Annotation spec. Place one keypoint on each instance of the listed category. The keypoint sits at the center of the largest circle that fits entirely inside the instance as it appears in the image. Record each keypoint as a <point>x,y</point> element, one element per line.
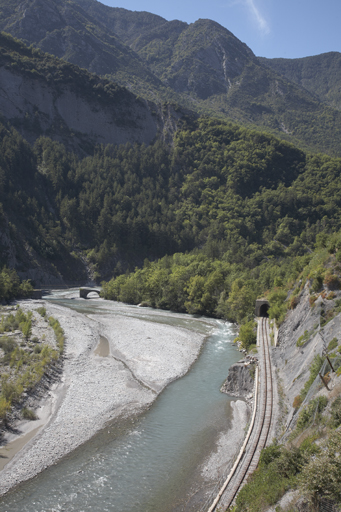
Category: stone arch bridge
<point>84,292</point>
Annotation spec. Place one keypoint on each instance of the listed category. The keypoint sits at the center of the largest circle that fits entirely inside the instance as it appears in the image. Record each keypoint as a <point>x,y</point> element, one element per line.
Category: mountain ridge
<point>319,74</point>
<point>201,66</point>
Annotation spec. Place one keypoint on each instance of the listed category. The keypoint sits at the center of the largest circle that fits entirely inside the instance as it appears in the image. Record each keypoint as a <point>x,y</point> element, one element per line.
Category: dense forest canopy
<point>241,204</point>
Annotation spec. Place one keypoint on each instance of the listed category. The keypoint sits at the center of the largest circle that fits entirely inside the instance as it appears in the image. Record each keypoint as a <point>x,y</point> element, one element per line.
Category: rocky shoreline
<point>240,380</point>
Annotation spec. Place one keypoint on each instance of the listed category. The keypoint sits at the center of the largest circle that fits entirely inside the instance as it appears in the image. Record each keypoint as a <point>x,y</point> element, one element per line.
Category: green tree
<point>248,334</point>
<point>241,300</point>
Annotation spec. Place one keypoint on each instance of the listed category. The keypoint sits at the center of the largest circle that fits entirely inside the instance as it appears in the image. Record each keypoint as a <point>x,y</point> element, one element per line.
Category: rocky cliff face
<point>37,108</point>
<point>300,339</point>
<point>200,58</point>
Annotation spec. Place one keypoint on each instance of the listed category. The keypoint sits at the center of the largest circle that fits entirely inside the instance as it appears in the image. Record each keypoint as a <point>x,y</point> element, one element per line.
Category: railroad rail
<point>259,429</point>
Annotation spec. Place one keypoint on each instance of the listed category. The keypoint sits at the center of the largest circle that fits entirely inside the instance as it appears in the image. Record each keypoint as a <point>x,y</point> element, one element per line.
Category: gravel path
<point>144,358</point>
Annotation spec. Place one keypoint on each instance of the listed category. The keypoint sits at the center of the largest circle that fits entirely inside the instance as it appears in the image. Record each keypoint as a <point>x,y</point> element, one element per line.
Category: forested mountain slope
<point>235,194</point>
<point>320,74</point>
<point>202,66</point>
<point>65,30</point>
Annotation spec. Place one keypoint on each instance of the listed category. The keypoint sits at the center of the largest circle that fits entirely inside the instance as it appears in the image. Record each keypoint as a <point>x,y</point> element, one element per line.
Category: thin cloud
<point>257,16</point>
<point>255,13</point>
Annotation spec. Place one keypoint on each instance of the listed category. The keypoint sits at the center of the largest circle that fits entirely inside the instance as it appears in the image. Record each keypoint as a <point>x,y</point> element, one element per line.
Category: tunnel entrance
<point>262,307</point>
<point>263,311</point>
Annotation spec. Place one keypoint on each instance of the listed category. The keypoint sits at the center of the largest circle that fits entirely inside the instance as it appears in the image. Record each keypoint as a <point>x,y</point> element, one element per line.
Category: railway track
<point>259,429</point>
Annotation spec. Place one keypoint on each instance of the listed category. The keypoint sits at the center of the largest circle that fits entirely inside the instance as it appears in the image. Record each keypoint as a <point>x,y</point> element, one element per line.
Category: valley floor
<point>96,387</point>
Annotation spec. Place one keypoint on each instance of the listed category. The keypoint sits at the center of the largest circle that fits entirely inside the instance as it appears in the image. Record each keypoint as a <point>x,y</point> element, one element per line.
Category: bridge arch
<point>84,292</point>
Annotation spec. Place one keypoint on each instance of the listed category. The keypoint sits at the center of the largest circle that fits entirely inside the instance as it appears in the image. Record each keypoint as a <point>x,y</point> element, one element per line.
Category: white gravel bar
<point>143,358</point>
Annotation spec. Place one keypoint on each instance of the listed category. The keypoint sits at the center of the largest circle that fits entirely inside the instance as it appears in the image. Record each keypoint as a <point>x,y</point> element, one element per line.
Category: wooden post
<point>324,382</point>
<point>330,364</point>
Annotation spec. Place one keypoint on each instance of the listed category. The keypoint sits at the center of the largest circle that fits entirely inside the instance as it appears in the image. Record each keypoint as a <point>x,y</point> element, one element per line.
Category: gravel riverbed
<point>144,357</point>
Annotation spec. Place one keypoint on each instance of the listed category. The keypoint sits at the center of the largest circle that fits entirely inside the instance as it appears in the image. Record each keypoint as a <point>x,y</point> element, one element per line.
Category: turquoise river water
<point>149,463</point>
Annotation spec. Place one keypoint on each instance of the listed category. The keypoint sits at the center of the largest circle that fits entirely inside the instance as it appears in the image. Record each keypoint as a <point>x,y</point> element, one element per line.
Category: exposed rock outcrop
<point>37,108</point>
<point>300,339</point>
<point>41,95</point>
<point>239,382</point>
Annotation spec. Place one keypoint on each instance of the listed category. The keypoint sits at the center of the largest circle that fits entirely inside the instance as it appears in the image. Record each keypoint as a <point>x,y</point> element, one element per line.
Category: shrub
<point>321,476</point>
<point>305,337</point>
<point>20,316</point>
<point>28,414</point>
<point>277,468</point>
<point>311,412</point>
<point>327,377</point>
<point>308,446</point>
<point>247,334</point>
<point>312,299</point>
<point>317,283</point>
<point>5,407</point>
<point>270,453</point>
<point>277,308</point>
<point>9,323</point>
<point>314,370</point>
<point>59,333</point>
<point>26,328</point>
<point>8,344</point>
<point>293,302</point>
<point>41,311</point>
<point>263,489</point>
<point>9,390</point>
<point>297,402</point>
<point>332,281</point>
<point>332,344</point>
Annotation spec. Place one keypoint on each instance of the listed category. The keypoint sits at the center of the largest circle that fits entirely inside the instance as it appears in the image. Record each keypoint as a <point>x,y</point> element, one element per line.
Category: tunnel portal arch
<point>262,307</point>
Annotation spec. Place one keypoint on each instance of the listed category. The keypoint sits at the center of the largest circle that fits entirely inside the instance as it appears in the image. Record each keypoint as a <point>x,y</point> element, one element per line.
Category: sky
<point>271,28</point>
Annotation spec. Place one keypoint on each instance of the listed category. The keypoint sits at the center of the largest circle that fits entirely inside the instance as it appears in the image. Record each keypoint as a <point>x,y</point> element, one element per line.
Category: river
<point>148,463</point>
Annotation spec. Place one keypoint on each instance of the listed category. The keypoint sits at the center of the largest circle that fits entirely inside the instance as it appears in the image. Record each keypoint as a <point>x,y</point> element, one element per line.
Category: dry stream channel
<point>151,462</point>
